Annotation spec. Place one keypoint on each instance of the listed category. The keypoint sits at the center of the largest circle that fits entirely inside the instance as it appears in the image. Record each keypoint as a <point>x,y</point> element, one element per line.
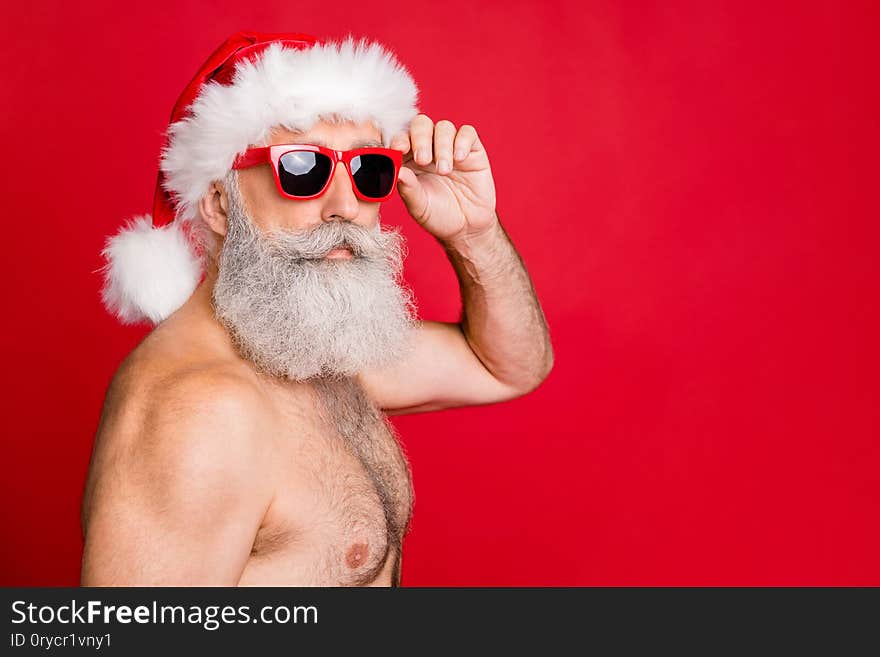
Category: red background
<point>699,217</point>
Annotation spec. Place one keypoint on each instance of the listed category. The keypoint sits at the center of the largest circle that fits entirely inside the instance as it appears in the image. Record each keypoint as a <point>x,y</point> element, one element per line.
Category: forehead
<point>338,135</point>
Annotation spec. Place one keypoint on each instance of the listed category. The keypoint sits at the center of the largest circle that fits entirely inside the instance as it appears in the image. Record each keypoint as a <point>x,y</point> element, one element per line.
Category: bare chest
<point>343,496</point>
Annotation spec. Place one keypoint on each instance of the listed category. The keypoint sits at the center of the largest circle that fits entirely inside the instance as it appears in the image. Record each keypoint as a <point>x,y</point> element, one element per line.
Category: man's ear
<point>213,206</point>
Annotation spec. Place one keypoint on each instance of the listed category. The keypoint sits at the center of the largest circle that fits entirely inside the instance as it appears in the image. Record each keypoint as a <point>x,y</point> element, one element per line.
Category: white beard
<point>297,315</point>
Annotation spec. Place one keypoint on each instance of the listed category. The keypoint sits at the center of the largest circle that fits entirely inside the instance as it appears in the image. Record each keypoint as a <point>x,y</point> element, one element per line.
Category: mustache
<point>316,242</point>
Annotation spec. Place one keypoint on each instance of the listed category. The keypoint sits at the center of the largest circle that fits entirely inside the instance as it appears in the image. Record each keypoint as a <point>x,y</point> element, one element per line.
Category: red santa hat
<point>250,84</point>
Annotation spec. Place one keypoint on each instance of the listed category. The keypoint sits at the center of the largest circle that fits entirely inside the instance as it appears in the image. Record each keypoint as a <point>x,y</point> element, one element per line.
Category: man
<point>245,441</point>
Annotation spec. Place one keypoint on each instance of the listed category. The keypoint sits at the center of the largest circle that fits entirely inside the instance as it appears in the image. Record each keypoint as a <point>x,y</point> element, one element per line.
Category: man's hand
<point>445,182</point>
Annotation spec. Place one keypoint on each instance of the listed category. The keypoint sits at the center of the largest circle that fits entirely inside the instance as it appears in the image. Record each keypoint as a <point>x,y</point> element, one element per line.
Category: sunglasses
<point>304,171</point>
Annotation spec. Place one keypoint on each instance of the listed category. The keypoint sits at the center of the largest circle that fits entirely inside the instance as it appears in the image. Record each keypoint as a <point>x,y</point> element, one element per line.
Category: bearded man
<point>245,441</point>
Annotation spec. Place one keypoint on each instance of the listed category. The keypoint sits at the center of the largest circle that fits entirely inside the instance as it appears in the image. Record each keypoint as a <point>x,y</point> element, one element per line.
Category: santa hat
<point>250,84</point>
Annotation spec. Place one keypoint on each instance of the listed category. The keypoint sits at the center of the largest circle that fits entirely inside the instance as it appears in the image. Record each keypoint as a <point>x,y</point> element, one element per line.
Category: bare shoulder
<point>166,406</point>
<point>165,419</point>
<point>180,478</point>
<point>150,381</point>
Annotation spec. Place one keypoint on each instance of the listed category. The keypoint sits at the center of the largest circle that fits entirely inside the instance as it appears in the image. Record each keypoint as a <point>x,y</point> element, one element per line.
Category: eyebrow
<point>364,143</point>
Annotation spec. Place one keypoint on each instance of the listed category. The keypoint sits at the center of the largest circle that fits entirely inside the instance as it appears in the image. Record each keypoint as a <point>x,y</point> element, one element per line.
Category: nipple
<point>356,555</point>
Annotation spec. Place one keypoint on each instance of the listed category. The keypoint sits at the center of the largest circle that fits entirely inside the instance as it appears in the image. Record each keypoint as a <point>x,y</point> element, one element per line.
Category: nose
<point>340,202</point>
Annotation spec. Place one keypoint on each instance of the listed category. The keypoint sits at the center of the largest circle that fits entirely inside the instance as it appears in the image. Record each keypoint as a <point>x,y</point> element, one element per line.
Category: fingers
<point>444,134</point>
<point>414,197</point>
<point>465,141</point>
<point>400,142</point>
<point>421,132</point>
<point>439,144</point>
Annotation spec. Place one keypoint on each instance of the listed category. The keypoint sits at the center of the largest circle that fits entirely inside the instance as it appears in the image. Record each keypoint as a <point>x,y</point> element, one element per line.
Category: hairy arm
<point>180,501</point>
<point>500,350</point>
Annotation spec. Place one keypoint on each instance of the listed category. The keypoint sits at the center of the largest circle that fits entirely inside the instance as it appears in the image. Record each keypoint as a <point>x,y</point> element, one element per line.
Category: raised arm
<point>502,318</point>
<point>499,351</point>
<point>179,502</point>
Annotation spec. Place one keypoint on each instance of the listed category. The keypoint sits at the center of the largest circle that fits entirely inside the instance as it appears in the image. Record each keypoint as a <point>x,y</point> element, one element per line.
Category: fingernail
<point>422,156</point>
<point>443,166</point>
<point>459,155</point>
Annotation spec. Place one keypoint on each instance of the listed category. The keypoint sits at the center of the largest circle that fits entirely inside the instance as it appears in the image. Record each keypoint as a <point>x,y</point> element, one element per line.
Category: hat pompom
<point>150,272</point>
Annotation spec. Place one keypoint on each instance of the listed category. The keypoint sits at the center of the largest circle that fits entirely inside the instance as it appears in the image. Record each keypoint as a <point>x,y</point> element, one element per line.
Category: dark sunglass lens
<point>373,174</point>
<point>303,173</point>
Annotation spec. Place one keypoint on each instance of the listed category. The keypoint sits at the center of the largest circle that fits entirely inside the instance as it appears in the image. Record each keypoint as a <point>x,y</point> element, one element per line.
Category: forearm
<point>502,318</point>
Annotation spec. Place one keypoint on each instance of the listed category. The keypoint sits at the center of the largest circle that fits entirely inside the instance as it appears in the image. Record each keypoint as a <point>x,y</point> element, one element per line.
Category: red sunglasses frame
<point>272,154</point>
